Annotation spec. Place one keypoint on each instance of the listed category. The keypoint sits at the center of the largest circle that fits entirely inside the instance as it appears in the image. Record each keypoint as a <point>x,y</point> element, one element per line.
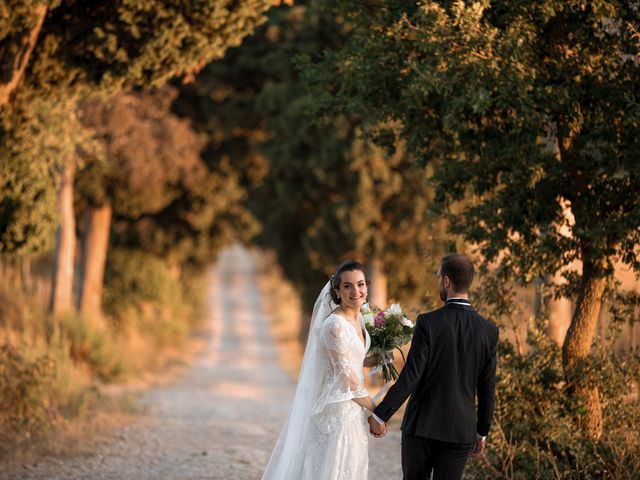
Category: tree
<point>110,46</point>
<point>33,209</point>
<point>28,217</point>
<point>481,91</point>
<point>164,198</point>
<point>225,104</point>
<point>20,26</point>
<point>82,50</point>
<point>326,195</point>
<point>95,243</point>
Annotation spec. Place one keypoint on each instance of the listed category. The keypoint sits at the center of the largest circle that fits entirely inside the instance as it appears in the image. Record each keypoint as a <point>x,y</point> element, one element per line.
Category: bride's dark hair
<point>348,266</point>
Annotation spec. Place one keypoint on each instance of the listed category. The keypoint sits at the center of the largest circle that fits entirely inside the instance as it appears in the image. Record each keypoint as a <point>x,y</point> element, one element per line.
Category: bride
<point>325,436</point>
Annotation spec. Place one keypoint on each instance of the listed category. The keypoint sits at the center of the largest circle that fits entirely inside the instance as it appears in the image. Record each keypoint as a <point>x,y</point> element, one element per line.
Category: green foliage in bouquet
<point>389,330</point>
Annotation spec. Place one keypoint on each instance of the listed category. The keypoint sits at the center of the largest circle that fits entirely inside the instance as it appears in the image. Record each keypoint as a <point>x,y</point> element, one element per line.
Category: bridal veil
<point>287,459</point>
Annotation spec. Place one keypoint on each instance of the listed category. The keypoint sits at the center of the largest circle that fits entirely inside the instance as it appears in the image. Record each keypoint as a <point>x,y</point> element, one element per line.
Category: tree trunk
<point>95,242</point>
<point>62,279</point>
<point>577,345</point>
<point>14,274</point>
<point>378,287</point>
<point>14,63</point>
<point>25,274</point>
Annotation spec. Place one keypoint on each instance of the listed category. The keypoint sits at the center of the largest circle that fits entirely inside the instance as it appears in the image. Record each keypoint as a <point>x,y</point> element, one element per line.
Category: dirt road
<point>221,418</point>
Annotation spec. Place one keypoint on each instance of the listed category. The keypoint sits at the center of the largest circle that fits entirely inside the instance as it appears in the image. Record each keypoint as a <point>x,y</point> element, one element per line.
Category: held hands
<point>479,448</point>
<point>376,429</point>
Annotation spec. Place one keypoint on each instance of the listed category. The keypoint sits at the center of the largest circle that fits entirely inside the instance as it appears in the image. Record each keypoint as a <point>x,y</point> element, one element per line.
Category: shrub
<point>25,391</point>
<point>535,435</point>
<point>49,367</point>
<point>141,293</point>
<point>133,278</point>
<point>93,346</point>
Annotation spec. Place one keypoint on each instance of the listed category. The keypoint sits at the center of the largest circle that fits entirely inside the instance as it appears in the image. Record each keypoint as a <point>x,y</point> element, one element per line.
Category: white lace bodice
<point>342,353</point>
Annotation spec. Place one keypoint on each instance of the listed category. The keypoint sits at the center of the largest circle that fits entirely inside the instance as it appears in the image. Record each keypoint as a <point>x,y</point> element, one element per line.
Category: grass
<point>63,381</point>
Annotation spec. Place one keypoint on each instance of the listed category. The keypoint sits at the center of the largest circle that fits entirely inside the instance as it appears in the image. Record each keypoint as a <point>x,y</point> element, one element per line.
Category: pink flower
<point>379,320</point>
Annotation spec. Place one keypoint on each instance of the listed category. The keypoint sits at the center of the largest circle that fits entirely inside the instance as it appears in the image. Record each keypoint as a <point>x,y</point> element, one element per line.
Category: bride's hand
<point>376,360</point>
<point>371,361</point>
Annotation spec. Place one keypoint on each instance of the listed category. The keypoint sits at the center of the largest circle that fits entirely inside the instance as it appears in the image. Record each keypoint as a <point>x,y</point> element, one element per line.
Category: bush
<point>133,278</point>
<point>49,367</point>
<point>41,385</point>
<point>25,391</point>
<point>142,294</point>
<point>92,346</point>
<point>535,433</point>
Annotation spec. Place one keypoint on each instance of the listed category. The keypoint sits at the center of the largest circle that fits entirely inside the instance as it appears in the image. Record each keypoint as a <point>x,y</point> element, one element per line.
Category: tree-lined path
<point>220,419</point>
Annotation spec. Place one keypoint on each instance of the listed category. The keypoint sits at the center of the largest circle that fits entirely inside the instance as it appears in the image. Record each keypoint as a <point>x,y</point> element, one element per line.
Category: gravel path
<point>221,418</point>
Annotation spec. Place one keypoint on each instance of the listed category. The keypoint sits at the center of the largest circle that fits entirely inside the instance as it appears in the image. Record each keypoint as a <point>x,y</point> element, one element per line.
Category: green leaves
<point>35,141</point>
<point>139,44</point>
<point>97,49</point>
<point>483,92</point>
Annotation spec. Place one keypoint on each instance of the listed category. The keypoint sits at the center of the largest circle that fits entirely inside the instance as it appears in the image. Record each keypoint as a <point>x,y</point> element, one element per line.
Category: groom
<point>452,359</point>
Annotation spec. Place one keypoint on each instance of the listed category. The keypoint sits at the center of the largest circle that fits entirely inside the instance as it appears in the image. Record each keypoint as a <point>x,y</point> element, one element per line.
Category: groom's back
<point>460,344</point>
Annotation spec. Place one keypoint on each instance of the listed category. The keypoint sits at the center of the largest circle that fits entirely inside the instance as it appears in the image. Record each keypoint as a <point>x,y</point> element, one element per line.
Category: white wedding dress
<point>338,439</point>
<point>326,434</point>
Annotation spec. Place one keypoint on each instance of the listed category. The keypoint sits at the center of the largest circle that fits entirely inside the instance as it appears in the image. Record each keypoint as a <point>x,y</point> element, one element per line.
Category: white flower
<point>406,322</point>
<point>395,309</point>
<point>367,315</point>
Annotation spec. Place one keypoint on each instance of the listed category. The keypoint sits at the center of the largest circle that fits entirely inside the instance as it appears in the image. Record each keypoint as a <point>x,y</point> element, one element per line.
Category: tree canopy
<point>529,113</point>
<point>165,199</point>
<point>80,50</point>
<point>327,194</point>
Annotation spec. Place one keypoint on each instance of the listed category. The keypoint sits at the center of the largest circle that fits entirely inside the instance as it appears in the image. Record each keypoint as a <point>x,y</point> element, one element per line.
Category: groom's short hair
<point>459,269</point>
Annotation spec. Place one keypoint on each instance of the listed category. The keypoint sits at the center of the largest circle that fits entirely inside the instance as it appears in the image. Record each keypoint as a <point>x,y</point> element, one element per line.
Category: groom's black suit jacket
<point>452,357</point>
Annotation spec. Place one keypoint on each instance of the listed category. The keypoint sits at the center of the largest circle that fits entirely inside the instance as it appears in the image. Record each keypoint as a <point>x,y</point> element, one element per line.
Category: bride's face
<point>353,289</point>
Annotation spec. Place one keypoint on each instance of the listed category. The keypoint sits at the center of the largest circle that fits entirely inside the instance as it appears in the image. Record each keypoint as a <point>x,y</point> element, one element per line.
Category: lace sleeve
<point>347,383</point>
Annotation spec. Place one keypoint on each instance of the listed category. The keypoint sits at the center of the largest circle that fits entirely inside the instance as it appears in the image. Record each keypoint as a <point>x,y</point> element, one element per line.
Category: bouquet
<point>389,329</point>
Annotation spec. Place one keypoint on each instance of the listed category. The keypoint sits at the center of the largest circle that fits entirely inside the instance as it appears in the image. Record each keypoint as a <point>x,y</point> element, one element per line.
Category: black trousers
<point>421,456</point>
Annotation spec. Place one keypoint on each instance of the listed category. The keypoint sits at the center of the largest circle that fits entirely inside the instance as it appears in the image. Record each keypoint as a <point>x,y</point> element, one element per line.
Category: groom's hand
<point>376,429</point>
